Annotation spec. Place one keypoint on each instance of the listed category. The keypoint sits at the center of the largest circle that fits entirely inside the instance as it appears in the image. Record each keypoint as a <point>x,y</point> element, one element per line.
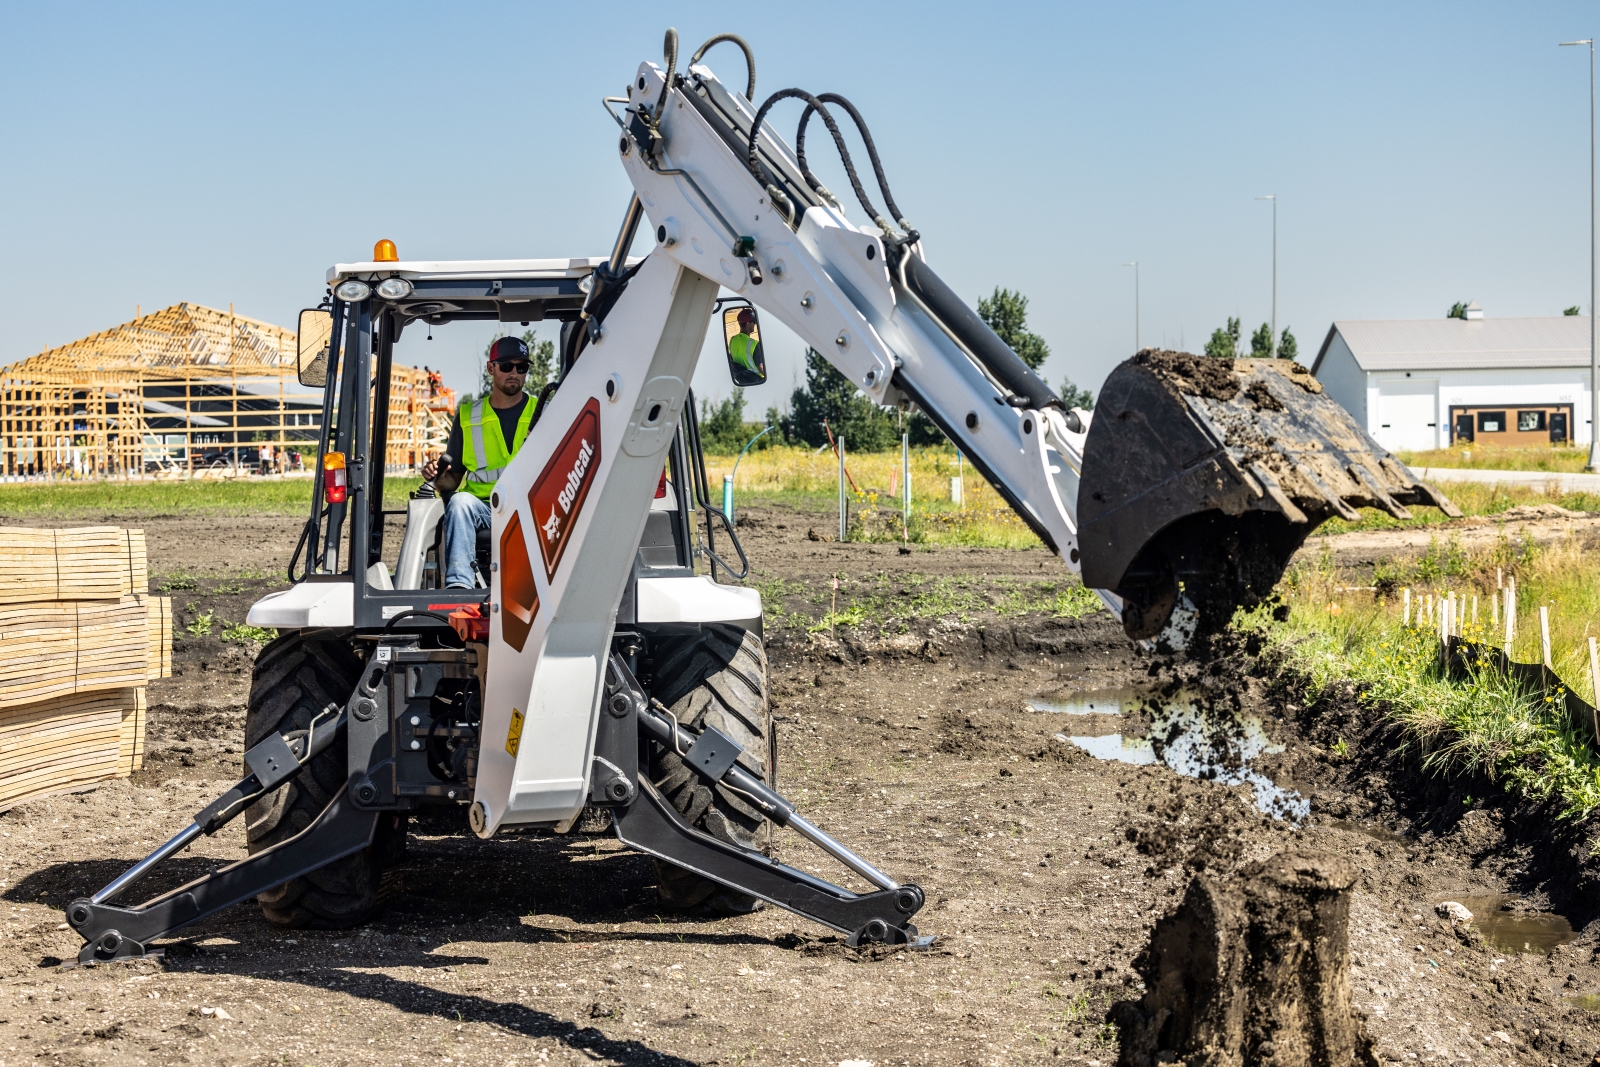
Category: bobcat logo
<point>552,527</point>
<point>563,486</point>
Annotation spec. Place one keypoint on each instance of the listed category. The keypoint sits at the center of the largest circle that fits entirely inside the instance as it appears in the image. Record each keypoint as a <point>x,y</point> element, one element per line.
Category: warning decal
<point>562,487</point>
<point>514,735</point>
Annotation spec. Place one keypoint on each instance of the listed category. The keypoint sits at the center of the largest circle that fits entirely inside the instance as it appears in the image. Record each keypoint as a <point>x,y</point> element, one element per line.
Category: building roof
<point>1458,344</point>
<point>184,340</point>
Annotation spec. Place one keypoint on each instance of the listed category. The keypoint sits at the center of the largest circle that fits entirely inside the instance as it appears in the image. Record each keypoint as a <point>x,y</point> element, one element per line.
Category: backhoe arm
<point>861,295</point>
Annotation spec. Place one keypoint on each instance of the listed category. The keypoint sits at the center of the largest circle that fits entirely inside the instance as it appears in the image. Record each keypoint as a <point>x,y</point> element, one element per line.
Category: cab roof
<point>505,290</point>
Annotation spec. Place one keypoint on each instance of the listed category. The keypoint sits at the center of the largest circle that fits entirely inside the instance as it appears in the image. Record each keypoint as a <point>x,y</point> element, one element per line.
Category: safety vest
<point>483,446</point>
<point>743,347</point>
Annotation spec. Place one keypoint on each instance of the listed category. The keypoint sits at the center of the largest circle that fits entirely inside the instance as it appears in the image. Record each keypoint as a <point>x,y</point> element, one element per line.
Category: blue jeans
<point>464,516</point>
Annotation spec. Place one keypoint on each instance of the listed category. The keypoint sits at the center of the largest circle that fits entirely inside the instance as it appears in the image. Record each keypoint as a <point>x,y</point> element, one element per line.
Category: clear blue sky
<point>1423,153</point>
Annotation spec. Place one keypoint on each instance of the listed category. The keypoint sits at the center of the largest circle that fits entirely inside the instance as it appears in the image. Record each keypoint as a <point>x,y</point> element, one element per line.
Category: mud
<point>1251,968</point>
<point>1046,870</point>
<point>1206,376</point>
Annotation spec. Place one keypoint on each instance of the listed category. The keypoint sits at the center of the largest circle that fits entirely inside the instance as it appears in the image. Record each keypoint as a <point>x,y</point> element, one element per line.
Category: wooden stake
<point>1594,686</point>
<point>1544,634</point>
<point>1494,609</point>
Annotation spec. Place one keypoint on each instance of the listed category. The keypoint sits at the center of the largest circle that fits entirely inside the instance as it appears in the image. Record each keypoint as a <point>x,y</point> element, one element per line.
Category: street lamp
<point>1594,282</point>
<point>1272,347</point>
<point>1135,266</point>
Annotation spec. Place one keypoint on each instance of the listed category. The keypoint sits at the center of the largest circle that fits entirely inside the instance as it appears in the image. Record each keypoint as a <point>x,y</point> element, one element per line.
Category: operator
<point>478,449</point>
<point>742,347</point>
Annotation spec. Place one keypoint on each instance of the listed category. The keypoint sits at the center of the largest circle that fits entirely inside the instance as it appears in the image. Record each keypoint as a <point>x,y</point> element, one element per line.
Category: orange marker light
<point>335,481</point>
<point>385,252</point>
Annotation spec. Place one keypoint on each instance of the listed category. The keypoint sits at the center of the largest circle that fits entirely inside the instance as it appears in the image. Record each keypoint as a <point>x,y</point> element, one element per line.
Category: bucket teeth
<point>1193,461</point>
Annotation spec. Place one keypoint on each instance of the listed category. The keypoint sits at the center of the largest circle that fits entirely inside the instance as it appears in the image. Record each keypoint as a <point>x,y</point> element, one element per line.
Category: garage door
<point>1408,414</point>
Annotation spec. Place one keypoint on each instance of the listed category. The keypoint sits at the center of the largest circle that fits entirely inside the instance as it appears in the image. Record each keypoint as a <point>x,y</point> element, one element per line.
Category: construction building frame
<point>189,391</point>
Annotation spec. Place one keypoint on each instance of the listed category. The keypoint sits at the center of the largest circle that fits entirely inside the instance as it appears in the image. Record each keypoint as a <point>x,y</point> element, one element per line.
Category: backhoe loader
<point>608,673</point>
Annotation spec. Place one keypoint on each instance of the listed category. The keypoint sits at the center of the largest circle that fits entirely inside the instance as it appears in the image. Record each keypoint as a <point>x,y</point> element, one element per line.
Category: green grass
<point>36,501</point>
<point>1474,457</point>
<point>892,603</point>
<point>1485,724</point>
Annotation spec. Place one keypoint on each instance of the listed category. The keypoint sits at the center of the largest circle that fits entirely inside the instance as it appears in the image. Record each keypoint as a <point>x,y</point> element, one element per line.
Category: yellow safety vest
<point>483,447</point>
<point>743,347</point>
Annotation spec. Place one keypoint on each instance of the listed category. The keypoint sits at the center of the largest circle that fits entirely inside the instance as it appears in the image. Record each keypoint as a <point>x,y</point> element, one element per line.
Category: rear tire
<point>295,678</point>
<point>717,678</point>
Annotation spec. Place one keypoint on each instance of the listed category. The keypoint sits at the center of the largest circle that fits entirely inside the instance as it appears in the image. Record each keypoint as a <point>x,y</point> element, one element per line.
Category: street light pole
<point>1135,266</point>
<point>1272,348</point>
<point>1594,279</point>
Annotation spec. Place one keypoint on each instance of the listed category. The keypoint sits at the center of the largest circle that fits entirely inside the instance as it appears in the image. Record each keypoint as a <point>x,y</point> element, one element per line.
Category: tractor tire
<point>717,677</point>
<point>295,677</point>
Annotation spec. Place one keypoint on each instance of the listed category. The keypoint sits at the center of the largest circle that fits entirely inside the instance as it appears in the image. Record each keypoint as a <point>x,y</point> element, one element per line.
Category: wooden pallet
<point>61,648</point>
<point>53,746</point>
<point>91,563</point>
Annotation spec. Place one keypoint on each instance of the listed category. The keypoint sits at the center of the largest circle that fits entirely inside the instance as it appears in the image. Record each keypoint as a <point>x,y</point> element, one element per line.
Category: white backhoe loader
<point>608,674</point>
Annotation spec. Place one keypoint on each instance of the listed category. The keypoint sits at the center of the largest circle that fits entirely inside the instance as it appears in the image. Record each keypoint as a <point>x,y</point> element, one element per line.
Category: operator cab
<point>371,434</point>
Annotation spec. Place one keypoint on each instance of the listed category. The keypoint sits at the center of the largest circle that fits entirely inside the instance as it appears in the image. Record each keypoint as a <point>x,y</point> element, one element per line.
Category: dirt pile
<point>1206,376</point>
<point>1252,969</point>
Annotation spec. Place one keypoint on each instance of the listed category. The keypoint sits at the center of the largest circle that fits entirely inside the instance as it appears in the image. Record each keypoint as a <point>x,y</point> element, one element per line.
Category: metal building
<point>1429,383</point>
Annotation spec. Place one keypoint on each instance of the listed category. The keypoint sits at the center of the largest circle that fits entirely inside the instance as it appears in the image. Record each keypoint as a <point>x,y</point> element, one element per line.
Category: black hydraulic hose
<point>749,58</point>
<point>872,153</point>
<point>838,139</point>
<point>1026,386</point>
<point>670,47</point>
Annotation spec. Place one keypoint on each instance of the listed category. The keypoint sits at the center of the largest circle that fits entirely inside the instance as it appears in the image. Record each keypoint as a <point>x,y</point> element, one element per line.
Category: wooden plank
<point>55,745</point>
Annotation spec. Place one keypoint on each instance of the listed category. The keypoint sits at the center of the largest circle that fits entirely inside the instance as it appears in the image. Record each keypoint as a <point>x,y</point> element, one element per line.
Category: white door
<point>1408,413</point>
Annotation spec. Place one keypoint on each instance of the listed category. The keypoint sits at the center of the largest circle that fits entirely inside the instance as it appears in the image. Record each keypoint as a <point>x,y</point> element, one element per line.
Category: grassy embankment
<point>1475,457</point>
<point>1517,737</point>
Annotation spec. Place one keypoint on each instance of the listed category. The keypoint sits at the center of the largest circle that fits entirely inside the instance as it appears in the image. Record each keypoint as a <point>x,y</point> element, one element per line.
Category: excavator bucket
<point>1202,476</point>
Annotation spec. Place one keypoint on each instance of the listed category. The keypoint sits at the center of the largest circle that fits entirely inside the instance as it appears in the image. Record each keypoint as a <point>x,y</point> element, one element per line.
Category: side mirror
<point>316,336</point>
<point>741,333</point>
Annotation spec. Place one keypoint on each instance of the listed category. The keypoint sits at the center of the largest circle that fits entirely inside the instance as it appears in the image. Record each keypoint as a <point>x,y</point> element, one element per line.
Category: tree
<point>1006,313</point>
<point>722,425</point>
<point>541,357</point>
<point>1288,348</point>
<point>1573,310</point>
<point>1074,397</point>
<point>1261,342</point>
<point>1458,310</point>
<point>829,395</point>
<point>1224,341</point>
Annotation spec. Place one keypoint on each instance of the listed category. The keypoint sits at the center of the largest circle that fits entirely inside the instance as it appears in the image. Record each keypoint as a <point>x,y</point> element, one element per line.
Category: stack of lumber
<point>80,635</point>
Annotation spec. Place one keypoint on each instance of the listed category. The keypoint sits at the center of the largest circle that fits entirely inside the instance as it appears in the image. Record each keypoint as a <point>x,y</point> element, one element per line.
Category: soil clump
<point>1251,968</point>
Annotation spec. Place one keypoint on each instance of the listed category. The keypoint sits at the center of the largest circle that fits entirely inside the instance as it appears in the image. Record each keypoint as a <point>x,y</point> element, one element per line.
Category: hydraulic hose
<point>749,59</point>
<point>975,334</point>
<point>872,153</point>
<point>838,140</point>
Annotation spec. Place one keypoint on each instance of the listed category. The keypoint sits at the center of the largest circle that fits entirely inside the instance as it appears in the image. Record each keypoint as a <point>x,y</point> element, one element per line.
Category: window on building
<point>1491,421</point>
<point>1529,421</point>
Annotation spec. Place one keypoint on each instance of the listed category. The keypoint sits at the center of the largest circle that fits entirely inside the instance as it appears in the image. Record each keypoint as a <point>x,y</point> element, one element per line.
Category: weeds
<point>1487,723</point>
<point>893,602</point>
<point>176,582</point>
<point>244,632</point>
<point>202,624</point>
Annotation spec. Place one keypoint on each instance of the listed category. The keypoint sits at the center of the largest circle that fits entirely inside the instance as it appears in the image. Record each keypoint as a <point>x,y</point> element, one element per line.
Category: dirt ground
<point>1044,867</point>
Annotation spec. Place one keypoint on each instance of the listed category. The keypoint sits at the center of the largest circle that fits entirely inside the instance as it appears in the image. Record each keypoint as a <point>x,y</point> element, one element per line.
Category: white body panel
<point>697,599</point>
<point>651,345</point>
<point>306,605</point>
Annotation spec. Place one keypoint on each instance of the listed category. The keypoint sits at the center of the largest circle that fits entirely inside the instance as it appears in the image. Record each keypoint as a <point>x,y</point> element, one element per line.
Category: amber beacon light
<point>385,252</point>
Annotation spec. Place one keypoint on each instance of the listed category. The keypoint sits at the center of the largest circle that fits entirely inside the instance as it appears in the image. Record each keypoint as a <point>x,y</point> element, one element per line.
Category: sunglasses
<point>508,365</point>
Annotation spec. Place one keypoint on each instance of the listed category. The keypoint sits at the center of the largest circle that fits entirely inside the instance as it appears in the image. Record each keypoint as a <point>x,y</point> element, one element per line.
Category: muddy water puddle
<point>1216,745</point>
<point>1090,702</point>
<point>1509,926</point>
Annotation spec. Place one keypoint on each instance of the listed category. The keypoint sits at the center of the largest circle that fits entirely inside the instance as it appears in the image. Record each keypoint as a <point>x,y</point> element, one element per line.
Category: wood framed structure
<point>186,391</point>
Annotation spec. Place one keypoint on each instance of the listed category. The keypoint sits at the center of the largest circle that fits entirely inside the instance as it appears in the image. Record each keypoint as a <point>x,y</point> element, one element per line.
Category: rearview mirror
<point>741,333</point>
<point>316,335</point>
